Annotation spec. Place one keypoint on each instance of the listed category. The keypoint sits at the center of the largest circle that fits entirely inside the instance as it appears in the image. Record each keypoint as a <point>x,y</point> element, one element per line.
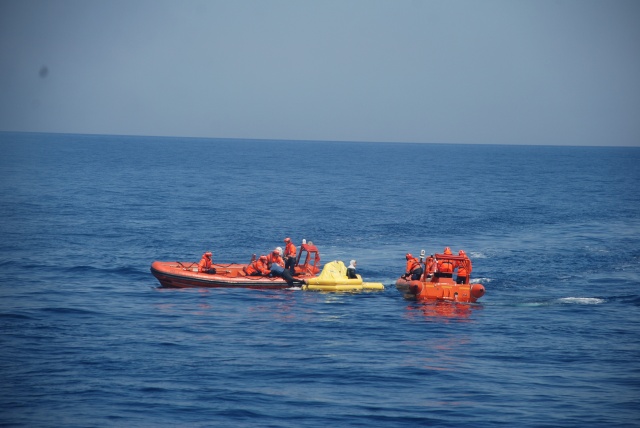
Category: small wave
<point>15,316</point>
<point>581,300</point>
<point>69,311</point>
<point>116,271</point>
<point>563,301</point>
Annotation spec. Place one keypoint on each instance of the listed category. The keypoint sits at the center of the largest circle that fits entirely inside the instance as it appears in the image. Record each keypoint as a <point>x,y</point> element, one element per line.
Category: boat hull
<point>186,275</point>
<point>440,289</point>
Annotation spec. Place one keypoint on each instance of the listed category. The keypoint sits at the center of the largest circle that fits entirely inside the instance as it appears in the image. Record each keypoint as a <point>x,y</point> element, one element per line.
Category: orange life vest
<point>275,258</point>
<point>464,267</point>
<point>290,250</point>
<point>431,264</point>
<point>445,266</point>
<point>205,264</point>
<point>412,264</point>
<point>257,266</point>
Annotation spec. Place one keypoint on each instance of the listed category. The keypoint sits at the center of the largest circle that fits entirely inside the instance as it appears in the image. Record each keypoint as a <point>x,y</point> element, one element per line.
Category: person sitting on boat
<point>259,267</point>
<point>275,257</point>
<point>464,269</point>
<point>445,266</point>
<point>351,270</point>
<point>205,265</point>
<point>289,256</point>
<point>414,268</point>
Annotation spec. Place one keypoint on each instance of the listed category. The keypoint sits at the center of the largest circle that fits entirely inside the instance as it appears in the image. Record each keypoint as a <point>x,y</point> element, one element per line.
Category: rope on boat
<point>188,267</point>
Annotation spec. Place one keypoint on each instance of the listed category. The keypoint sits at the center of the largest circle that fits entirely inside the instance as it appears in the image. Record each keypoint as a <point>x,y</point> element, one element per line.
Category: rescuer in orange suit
<point>445,266</point>
<point>205,263</point>
<point>431,265</point>
<point>464,269</point>
<point>289,256</point>
<point>414,268</point>
<point>259,267</point>
<point>275,257</point>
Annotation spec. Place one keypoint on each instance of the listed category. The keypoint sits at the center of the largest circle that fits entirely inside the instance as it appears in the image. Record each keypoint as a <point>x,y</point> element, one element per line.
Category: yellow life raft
<point>334,278</point>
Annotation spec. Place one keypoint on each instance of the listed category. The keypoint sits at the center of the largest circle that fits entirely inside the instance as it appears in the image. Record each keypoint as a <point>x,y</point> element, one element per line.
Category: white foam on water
<point>581,300</point>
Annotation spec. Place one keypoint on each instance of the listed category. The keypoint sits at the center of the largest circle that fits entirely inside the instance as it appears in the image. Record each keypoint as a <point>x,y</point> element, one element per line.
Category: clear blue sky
<point>446,71</point>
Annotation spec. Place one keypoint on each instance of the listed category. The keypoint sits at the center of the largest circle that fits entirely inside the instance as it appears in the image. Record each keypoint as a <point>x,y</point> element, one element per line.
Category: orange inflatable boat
<point>185,274</point>
<point>438,285</point>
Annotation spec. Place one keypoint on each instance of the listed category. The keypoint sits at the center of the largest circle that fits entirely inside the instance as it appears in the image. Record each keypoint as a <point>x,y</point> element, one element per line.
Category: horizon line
<point>241,139</point>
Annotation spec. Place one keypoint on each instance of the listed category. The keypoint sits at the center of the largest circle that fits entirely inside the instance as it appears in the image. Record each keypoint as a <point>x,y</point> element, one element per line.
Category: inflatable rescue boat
<point>232,275</point>
<point>334,278</point>
<point>439,286</point>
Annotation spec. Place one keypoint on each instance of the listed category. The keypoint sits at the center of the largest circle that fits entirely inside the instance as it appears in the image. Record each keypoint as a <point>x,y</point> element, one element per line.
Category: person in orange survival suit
<point>414,268</point>
<point>445,266</point>
<point>464,269</point>
<point>205,263</point>
<point>275,257</point>
<point>259,267</point>
<point>431,264</point>
<point>289,256</point>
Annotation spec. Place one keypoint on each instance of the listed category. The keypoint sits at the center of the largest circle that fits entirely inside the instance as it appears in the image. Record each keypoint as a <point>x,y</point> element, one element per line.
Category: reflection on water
<point>442,310</point>
<point>438,353</point>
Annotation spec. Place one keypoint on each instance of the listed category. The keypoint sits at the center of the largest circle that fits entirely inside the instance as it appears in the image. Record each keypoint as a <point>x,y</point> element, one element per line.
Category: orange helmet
<point>447,250</point>
<point>462,253</point>
<point>409,256</point>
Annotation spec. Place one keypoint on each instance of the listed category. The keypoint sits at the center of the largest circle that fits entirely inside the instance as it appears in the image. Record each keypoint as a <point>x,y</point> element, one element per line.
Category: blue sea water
<point>88,338</point>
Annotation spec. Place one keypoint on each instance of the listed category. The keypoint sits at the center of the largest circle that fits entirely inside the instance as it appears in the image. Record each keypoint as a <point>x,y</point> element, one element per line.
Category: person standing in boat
<point>464,269</point>
<point>259,267</point>
<point>351,270</point>
<point>290,256</point>
<point>205,264</point>
<point>445,266</point>
<point>414,268</point>
<point>430,264</point>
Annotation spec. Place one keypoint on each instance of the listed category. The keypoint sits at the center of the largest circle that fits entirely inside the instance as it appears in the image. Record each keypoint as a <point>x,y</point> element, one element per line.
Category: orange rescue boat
<point>437,285</point>
<point>232,275</point>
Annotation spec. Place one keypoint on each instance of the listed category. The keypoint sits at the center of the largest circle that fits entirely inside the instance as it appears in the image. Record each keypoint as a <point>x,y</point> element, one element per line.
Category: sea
<point>88,338</point>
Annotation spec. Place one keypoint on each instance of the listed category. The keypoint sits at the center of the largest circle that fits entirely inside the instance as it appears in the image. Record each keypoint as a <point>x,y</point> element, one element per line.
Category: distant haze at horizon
<point>448,72</point>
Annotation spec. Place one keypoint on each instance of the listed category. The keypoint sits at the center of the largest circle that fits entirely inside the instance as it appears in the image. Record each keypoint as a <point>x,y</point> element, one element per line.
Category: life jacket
<point>431,264</point>
<point>290,250</point>
<point>275,258</point>
<point>257,266</point>
<point>445,266</point>
<point>205,264</point>
<point>464,267</point>
<point>412,264</point>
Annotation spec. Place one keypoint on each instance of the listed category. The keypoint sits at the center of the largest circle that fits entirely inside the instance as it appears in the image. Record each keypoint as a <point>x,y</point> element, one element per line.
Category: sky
<point>553,72</point>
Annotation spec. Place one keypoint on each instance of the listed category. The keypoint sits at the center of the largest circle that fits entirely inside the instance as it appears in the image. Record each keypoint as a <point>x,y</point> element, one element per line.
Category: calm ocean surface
<point>87,338</point>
